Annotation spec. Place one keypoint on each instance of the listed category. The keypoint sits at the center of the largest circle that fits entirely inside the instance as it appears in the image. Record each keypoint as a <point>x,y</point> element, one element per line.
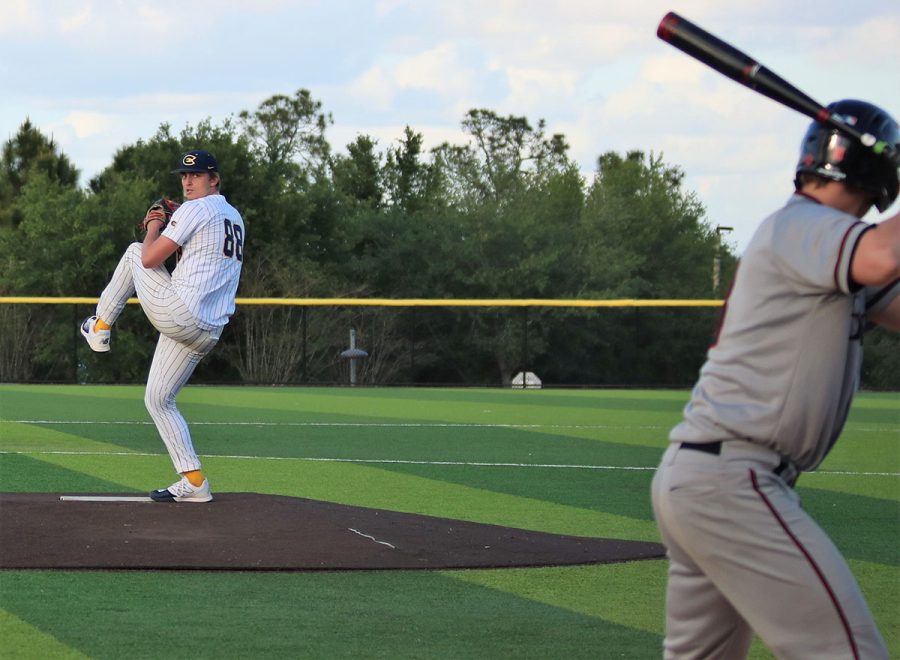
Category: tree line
<point>505,214</point>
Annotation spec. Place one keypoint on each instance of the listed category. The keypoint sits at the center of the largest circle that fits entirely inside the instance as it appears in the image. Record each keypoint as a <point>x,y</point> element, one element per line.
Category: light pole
<point>717,261</point>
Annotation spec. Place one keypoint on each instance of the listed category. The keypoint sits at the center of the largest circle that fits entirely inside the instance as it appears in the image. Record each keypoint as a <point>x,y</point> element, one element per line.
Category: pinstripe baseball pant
<point>182,344</point>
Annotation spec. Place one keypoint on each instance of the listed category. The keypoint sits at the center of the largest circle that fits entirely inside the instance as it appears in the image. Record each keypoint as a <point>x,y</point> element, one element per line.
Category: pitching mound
<point>249,531</point>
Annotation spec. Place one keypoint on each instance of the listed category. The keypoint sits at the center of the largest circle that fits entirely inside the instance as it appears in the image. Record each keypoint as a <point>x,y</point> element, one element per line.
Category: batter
<point>770,403</point>
<point>189,308</point>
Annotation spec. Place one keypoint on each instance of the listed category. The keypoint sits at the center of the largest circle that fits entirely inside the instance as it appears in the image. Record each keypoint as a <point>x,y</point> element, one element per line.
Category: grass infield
<point>565,461</point>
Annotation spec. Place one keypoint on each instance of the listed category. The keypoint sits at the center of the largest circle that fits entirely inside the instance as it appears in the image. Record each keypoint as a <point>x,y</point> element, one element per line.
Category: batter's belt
<point>785,468</point>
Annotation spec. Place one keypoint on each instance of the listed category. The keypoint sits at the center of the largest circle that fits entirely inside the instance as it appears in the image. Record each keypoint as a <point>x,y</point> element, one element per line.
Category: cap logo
<point>189,159</point>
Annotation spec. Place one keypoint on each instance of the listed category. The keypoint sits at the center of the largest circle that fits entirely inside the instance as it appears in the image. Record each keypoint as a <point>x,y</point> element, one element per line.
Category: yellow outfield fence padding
<point>398,302</point>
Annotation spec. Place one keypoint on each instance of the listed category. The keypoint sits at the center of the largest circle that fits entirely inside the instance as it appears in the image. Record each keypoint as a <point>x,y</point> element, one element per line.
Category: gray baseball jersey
<point>744,556</point>
<point>790,343</point>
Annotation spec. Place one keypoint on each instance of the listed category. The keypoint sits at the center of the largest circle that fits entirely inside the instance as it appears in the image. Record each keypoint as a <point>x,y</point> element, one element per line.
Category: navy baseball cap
<point>197,160</point>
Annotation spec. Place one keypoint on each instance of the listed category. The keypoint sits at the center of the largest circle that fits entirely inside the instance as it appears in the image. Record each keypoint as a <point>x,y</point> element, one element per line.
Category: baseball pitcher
<point>189,307</point>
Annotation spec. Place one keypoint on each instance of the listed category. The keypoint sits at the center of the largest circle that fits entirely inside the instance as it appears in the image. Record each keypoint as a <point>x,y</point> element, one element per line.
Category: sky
<point>97,75</point>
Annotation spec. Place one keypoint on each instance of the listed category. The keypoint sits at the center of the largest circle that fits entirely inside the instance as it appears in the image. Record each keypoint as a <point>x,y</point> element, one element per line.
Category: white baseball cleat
<point>183,491</point>
<point>98,340</point>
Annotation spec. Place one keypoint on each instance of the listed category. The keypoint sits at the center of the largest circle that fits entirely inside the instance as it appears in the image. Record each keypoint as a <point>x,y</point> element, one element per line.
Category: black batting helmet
<point>828,153</point>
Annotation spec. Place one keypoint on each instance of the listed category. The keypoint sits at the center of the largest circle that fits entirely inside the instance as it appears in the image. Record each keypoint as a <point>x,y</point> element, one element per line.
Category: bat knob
<point>667,26</point>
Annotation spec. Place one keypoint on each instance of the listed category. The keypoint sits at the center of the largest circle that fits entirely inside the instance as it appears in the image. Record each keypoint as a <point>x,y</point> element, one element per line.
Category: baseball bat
<point>740,67</point>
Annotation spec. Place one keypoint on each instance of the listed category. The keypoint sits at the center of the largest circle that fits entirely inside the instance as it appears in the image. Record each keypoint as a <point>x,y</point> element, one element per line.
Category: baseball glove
<point>161,209</point>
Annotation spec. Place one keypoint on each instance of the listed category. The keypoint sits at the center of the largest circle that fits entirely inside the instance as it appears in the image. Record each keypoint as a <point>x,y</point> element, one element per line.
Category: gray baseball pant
<point>744,557</point>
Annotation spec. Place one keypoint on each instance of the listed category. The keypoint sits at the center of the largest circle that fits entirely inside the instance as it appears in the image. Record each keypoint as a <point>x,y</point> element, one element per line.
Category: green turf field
<point>566,461</point>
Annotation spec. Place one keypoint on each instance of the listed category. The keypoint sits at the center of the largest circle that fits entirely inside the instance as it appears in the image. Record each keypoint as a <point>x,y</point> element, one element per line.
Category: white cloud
<point>874,43</point>
<point>671,69</point>
<point>96,25</point>
<point>373,87</point>
<point>76,21</point>
<point>218,103</point>
<point>161,105</point>
<point>438,69</point>
<point>18,18</point>
<point>385,7</point>
<point>531,87</point>
<point>86,124</point>
<point>156,20</point>
<point>389,136</point>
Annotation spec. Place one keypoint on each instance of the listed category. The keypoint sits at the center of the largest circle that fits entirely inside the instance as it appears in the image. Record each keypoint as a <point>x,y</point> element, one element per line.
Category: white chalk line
<point>370,537</point>
<point>102,498</point>
<point>345,424</point>
<point>413,425</point>
<point>400,461</point>
<point>323,459</point>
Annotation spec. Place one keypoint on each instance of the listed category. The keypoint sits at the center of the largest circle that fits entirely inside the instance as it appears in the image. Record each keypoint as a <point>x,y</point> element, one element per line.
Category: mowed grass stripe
<point>581,589</point>
<point>879,486</point>
<point>310,404</point>
<point>19,437</point>
<point>463,443</point>
<point>320,615</point>
<point>586,590</point>
<point>23,641</point>
<point>866,452</point>
<point>501,446</point>
<point>606,413</point>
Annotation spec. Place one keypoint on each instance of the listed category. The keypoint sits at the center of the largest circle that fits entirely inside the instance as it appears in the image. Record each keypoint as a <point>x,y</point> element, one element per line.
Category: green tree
<point>358,175</point>
<point>509,197</point>
<point>642,236</point>
<point>294,217</point>
<point>288,133</point>
<point>410,181</point>
<point>27,153</point>
<point>505,148</point>
<point>639,215</point>
<point>67,244</point>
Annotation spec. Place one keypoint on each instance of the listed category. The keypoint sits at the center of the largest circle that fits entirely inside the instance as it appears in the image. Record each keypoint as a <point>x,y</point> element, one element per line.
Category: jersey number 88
<point>234,241</point>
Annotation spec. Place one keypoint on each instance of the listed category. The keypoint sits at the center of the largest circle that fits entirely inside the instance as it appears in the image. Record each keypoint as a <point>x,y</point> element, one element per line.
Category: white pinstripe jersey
<point>211,234</point>
<point>786,362</point>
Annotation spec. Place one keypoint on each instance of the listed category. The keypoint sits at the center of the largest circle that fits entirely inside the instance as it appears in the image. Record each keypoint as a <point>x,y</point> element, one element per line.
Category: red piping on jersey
<point>818,571</point>
<point>850,283</point>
